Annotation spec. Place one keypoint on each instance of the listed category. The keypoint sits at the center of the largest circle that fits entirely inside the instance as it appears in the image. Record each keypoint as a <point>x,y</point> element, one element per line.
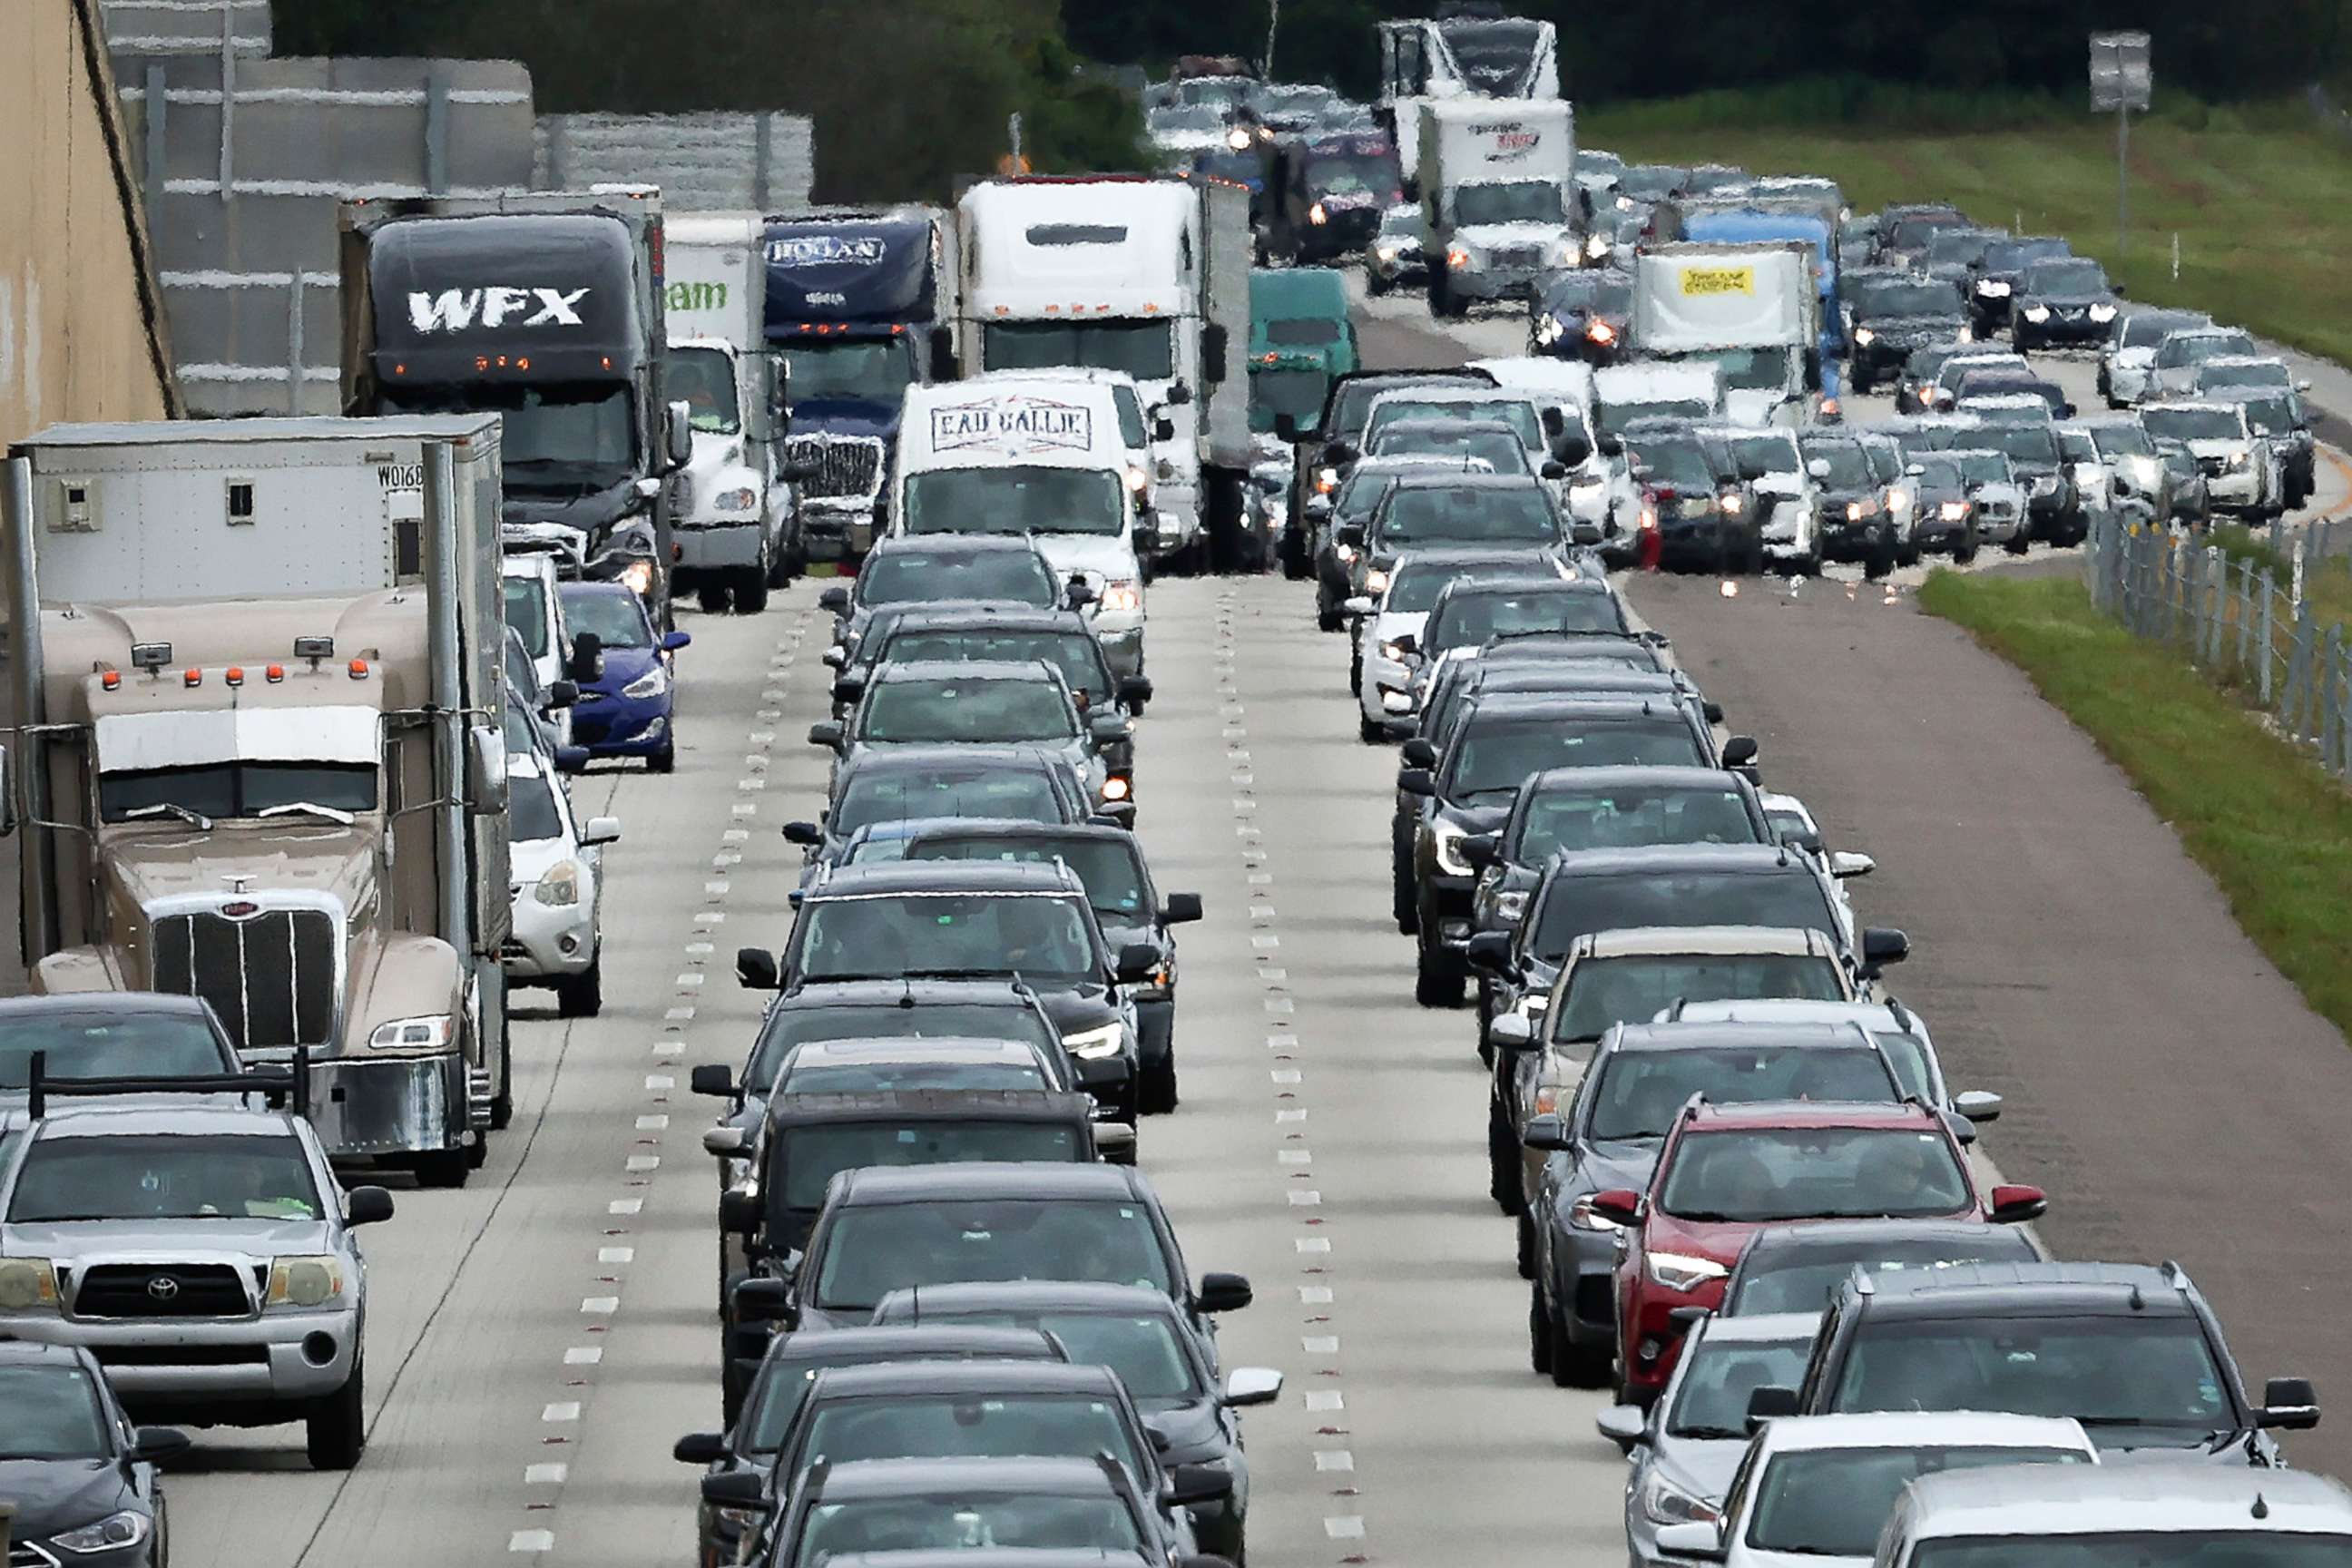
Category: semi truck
<point>1750,310</point>
<point>1326,194</point>
<point>859,308</point>
<point>1466,52</point>
<point>733,523</point>
<point>544,307</point>
<point>1498,199</point>
<point>259,672</point>
<point>1133,273</point>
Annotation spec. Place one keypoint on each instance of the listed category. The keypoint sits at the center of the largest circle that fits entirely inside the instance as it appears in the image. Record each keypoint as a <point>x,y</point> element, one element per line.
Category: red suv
<point>1726,1171</point>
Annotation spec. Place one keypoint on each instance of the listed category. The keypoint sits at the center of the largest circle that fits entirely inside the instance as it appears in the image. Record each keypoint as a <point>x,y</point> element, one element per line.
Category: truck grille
<point>271,977</point>
<point>846,467</point>
<point>181,1355</point>
<point>161,1290</point>
<point>1519,256</point>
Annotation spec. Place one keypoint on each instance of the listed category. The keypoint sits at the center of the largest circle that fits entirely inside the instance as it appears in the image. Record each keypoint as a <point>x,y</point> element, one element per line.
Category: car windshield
<point>2259,372</point>
<point>1746,369</point>
<point>2274,416</point>
<point>945,1521</point>
<point>1578,906</point>
<point>1473,616</point>
<point>532,814</point>
<point>1507,201</point>
<point>2192,423</point>
<point>1835,1501</point>
<point>2066,275</point>
<point>704,380</point>
<point>1276,390</point>
<point>527,613</point>
<point>993,1426</point>
<point>966,709</point>
<point>1984,468</point>
<point>1469,514</point>
<point>1849,464</point>
<point>1633,989</point>
<point>811,1156</point>
<point>1713,1390</point>
<point>1143,1351</point>
<point>234,789</point>
<point>1617,413</point>
<point>799,1023</point>
<point>1413,587</point>
<point>1750,1175</point>
<point>1352,174</point>
<point>1772,452</point>
<point>2166,1549</point>
<point>2122,441</point>
<point>1497,758</point>
<point>1145,349</point>
<point>1595,293</point>
<point>1519,416</point>
<point>101,1043</point>
<point>1627,816</point>
<point>872,1249</point>
<point>849,370</point>
<point>1939,473</point>
<point>2013,254</point>
<point>1877,299</point>
<point>1493,445</point>
<point>1806,1282</point>
<point>1074,653</point>
<point>53,1414</point>
<point>1678,464</point>
<point>902,794</point>
<point>882,937</point>
<point>2195,348</point>
<point>2105,1370</point>
<point>2149,328</point>
<point>1402,223</point>
<point>1111,868</point>
<point>1021,498</point>
<point>2035,443</point>
<point>1958,245</point>
<point>125,1176</point>
<point>618,618</point>
<point>921,577</point>
<point>555,439</point>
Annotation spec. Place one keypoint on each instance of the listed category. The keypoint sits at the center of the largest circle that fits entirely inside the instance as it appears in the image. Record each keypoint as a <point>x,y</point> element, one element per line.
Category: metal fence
<point>2237,622</point>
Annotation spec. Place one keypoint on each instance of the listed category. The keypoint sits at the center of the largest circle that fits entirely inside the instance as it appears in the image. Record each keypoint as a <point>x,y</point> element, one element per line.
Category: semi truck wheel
<point>502,1104</point>
<point>582,996</point>
<point>446,1168</point>
<point>751,592</point>
<point>712,597</point>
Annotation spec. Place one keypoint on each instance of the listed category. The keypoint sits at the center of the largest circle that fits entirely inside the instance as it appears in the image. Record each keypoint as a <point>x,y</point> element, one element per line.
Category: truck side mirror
<point>561,694</point>
<point>7,797</point>
<point>1285,427</point>
<point>943,358</point>
<point>680,435</point>
<point>755,969</point>
<point>486,765</point>
<point>587,664</point>
<point>1212,353</point>
<point>1163,428</point>
<point>1180,394</point>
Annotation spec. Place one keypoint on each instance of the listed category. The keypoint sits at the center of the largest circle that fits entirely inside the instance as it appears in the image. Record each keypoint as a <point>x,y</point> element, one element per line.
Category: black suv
<point>1019,632</point>
<point>933,568</point>
<point>1328,451</point>
<point>1890,313</point>
<point>908,781</point>
<point>2131,1351</point>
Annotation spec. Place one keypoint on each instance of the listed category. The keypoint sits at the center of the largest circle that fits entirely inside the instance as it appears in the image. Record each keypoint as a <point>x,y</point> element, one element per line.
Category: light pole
<point>1273,21</point>
<point>2122,79</point>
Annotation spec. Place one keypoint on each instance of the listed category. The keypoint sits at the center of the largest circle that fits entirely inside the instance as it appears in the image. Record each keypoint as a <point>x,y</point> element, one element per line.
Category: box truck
<point>1749,309</point>
<point>1498,199</point>
<point>1460,56</point>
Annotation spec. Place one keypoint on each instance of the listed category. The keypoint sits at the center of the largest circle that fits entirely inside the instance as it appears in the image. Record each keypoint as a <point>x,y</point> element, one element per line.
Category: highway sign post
<point>2122,79</point>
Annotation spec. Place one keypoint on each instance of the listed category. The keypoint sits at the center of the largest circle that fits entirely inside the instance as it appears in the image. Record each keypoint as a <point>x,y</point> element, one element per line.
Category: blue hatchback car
<point>626,711</point>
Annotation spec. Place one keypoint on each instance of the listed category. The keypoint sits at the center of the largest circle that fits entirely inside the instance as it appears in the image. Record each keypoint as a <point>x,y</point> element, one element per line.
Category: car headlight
<point>1344,553</point>
<point>1097,1044</point>
<point>2147,470</point>
<point>429,1033</point>
<point>2102,312</point>
<point>1953,510</point>
<point>1680,1271</point>
<point>115,1532</point>
<point>27,1284</point>
<point>638,576</point>
<point>1601,332</point>
<point>305,1281</point>
<point>1316,215</point>
<point>1238,139</point>
<point>1549,327</point>
<point>2241,458</point>
<point>1117,787</point>
<point>742,498</point>
<point>652,683</point>
<point>1992,288</point>
<point>1457,255</point>
<point>1864,336</point>
<point>559,886</point>
<point>1385,252</point>
<point>1327,480</point>
<point>1564,253</point>
<point>1445,840</point>
<point>1662,1502</point>
<point>2037,312</point>
<point>1731,503</point>
<point>1395,652</point>
<point>1898,499</point>
<point>1122,595</point>
<point>1598,246</point>
<point>1137,478</point>
<point>1511,908</point>
<point>1376,581</point>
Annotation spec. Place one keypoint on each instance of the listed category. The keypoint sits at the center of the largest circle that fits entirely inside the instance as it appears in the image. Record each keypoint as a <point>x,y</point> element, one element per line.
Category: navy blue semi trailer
<point>544,307</point>
<point>860,307</point>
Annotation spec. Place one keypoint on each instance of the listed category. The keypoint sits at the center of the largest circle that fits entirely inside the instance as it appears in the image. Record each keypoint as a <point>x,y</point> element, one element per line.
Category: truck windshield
<point>849,370</point>
<point>2168,1549</point>
<point>704,380</point>
<point>1746,369</point>
<point>234,789</point>
<point>1274,392</point>
<point>1507,201</point>
<point>1017,500</point>
<point>108,1045</point>
<point>1144,350</point>
<point>813,1155</point>
<point>160,1176</point>
<point>1496,57</point>
<point>1353,174</point>
<point>558,437</point>
<point>527,613</point>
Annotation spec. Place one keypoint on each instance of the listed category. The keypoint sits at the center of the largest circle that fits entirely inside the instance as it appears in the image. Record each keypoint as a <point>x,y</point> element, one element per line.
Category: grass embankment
<point>2260,195</point>
<point>2266,823</point>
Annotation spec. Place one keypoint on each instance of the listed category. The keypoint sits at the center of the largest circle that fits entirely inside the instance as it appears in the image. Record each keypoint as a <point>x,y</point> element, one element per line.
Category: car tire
<point>335,1428</point>
<point>2017,544</point>
<point>712,597</point>
<point>582,996</point>
<point>1525,1226</point>
<point>1541,1349</point>
<point>1375,284</point>
<point>751,592</point>
<point>1574,1365</point>
<point>502,1102</point>
<point>1328,620</point>
<point>1355,668</point>
<point>1966,549</point>
<point>1434,982</point>
<point>1880,559</point>
<point>1370,734</point>
<point>664,761</point>
<point>1156,1089</point>
<point>444,1168</point>
<point>1503,1162</point>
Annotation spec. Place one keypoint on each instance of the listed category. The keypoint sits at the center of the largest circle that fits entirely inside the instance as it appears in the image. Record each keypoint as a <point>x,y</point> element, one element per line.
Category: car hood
<point>166,1241</point>
<point>589,513</point>
<point>528,860</point>
<point>1118,934</point>
<point>1500,236</point>
<point>1701,1466</point>
<point>1187,1431</point>
<point>1744,405</point>
<point>1718,1239</point>
<point>1617,1161</point>
<point>1075,1009</point>
<point>621,666</point>
<point>1395,624</point>
<point>2069,299</point>
<point>53,1496</point>
<point>1912,326</point>
<point>1103,557</point>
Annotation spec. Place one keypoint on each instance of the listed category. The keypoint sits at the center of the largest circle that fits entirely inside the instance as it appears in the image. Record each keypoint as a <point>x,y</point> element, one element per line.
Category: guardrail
<point>2237,623</point>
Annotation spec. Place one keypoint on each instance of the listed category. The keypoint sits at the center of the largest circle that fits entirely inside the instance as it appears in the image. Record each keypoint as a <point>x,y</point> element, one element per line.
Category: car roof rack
<point>292,1082</point>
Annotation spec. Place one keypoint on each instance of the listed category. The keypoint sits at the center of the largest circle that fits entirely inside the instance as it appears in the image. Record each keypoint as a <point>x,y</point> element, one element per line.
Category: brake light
<point>359,669</point>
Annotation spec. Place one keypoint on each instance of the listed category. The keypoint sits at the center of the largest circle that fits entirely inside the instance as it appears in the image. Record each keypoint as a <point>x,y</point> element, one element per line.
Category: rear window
<point>1578,906</point>
<point>1497,759</point>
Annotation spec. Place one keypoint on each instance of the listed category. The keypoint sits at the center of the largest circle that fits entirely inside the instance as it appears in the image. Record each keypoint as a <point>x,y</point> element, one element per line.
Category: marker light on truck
<point>1316,215</point>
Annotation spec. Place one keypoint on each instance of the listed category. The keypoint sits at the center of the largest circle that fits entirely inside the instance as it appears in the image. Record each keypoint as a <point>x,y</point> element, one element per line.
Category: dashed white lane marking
<point>584,1355</point>
<point>616,1255</point>
<point>1283,1116</point>
<point>1334,1459</point>
<point>625,1206</point>
<point>1305,1199</point>
<point>1315,1295</point>
<point>645,1161</point>
<point>555,1415</point>
<point>656,1080</point>
<point>1344,1527</point>
<point>1322,1400</point>
<point>1293,1157</point>
<point>532,1541</point>
<point>1285,1075</point>
<point>652,1123</point>
<point>545,1475</point>
<point>1313,1244</point>
<point>599,1307</point>
<point>1320,1344</point>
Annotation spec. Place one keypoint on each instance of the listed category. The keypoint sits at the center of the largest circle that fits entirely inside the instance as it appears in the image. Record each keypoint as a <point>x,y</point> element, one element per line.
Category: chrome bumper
<point>408,1105</point>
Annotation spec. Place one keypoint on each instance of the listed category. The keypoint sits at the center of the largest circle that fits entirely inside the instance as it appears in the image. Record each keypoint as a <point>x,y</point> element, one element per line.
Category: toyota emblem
<point>163,1288</point>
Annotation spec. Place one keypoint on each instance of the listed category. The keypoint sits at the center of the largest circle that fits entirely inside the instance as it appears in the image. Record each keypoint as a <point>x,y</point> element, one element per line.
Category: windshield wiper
<point>330,813</point>
<point>1716,1432</point>
<point>196,819</point>
<point>921,974</point>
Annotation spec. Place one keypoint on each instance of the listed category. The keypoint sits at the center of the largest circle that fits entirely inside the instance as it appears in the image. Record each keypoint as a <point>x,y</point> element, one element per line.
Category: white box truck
<point>259,673</point>
<point>1750,309</point>
<point>1139,274</point>
<point>731,525</point>
<point>1460,56</point>
<point>1497,197</point>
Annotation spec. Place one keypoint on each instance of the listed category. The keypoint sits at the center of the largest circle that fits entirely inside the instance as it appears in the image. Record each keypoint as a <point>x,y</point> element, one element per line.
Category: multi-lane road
<point>539,1339</point>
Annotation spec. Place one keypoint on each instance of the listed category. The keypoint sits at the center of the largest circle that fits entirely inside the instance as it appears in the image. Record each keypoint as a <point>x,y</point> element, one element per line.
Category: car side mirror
<point>716,1080</point>
<point>2065,411</point>
<point>745,1489</point>
<point>1710,711</point>
<point>1163,428</point>
<point>1882,945</point>
<point>1623,1424</point>
<point>154,1445</point>
<point>587,662</point>
<point>1978,1106</point>
<point>699,1449</point>
<point>826,732</point>
<point>1480,850</point>
<point>1418,781</point>
<point>739,1213</point>
<point>1135,690</point>
<point>1191,1485</point>
<point>1490,952</point>
<point>570,759</point>
<point>1741,751</point>
<point>1548,1133</point>
<point>1077,593</point>
<point>2289,1404</point>
<point>849,689</point>
<point>1574,450</point>
<point>755,969</point>
<point>1351,534</point>
<point>836,599</point>
<point>1180,909</point>
<point>1247,1385</point>
<point>1555,423</point>
<point>1179,394</point>
<point>1106,730</point>
<point>1770,1404</point>
<point>724,1143</point>
<point>1553,470</point>
<point>1419,752</point>
<point>680,435</point>
<point>1701,1539</point>
<point>1359,604</point>
<point>2016,1205</point>
<point>1613,446</point>
<point>561,694</point>
<point>1285,427</point>
<point>1222,1292</point>
<point>1845,863</point>
<point>599,831</point>
<point>1137,963</point>
<point>673,641</point>
<point>834,658</point>
<point>807,835</point>
<point>1619,1206</point>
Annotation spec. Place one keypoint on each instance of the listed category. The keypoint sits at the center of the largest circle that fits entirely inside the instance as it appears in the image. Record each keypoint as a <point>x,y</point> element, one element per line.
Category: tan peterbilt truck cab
<point>260,677</point>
